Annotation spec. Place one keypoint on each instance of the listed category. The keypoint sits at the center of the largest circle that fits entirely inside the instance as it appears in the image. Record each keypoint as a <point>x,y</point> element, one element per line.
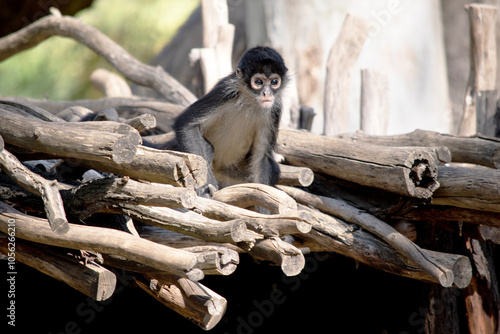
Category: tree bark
<point>477,149</point>
<point>89,278</point>
<point>406,171</point>
<point>103,241</point>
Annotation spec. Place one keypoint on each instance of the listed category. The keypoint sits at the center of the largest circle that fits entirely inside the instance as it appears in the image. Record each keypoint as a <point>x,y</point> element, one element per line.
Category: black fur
<point>234,93</point>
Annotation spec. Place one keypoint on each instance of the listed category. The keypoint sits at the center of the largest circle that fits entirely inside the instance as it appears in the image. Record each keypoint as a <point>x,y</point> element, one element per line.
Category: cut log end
<point>124,151</point>
<point>293,265</point>
<point>104,286</point>
<point>462,272</point>
<point>422,178</point>
<point>239,231</point>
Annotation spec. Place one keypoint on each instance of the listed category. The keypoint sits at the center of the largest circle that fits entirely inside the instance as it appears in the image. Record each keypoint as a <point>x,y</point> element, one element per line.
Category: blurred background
<point>422,47</point>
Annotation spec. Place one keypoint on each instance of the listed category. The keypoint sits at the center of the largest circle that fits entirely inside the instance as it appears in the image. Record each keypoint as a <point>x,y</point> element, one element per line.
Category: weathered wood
<point>250,194</point>
<point>482,296</point>
<point>443,213</point>
<point>190,299</point>
<point>103,241</point>
<point>89,278</point>
<point>40,30</point>
<point>97,195</point>
<point>216,54</point>
<point>34,183</point>
<point>46,137</point>
<point>477,149</point>
<point>164,112</point>
<point>268,225</point>
<point>341,60</point>
<point>330,234</point>
<point>189,223</point>
<point>273,249</point>
<point>149,164</point>
<point>24,109</point>
<point>471,188</point>
<point>215,260</point>
<point>295,176</point>
<point>403,170</point>
<point>480,98</point>
<point>178,240</point>
<point>384,231</point>
<point>375,102</point>
<point>109,83</point>
<point>75,114</point>
<point>143,122</point>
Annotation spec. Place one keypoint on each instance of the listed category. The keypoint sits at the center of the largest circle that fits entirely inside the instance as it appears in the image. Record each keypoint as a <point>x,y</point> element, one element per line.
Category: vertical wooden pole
<point>375,102</point>
<point>341,60</point>
<point>480,98</point>
<point>216,55</point>
<point>482,297</point>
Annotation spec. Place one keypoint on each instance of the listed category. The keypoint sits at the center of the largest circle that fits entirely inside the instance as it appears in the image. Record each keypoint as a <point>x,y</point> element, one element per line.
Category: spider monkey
<point>235,125</point>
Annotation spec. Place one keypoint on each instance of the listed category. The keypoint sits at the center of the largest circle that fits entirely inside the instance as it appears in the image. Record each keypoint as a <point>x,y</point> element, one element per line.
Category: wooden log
<point>108,126</point>
<point>46,137</point>
<point>268,225</point>
<point>216,55</point>
<point>273,249</point>
<point>384,231</point>
<point>2,143</point>
<point>375,102</point>
<point>89,278</point>
<point>160,166</point>
<point>178,240</point>
<point>97,195</point>
<point>103,241</point>
<point>331,234</point>
<point>189,223</point>
<point>190,299</point>
<point>477,149</point>
<point>75,114</point>
<point>470,188</point>
<point>131,68</point>
<point>109,83</point>
<point>250,194</point>
<point>34,183</point>
<point>480,97</point>
<point>215,260</point>
<point>340,63</point>
<point>295,176</point>
<point>482,297</point>
<point>164,112</point>
<point>143,122</point>
<point>443,213</point>
<point>406,171</point>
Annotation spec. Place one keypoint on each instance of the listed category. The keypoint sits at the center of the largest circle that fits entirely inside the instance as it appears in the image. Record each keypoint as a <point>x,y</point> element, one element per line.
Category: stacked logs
<point>75,175</point>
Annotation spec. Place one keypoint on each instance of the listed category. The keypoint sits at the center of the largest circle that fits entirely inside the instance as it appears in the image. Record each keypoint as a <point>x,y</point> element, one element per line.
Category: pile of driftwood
<point>91,177</point>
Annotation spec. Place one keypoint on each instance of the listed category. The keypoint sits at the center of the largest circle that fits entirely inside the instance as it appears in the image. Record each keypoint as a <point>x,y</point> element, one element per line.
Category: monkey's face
<point>265,88</point>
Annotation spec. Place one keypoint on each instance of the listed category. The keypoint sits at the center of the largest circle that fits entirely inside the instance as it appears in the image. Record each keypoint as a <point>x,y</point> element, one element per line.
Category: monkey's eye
<point>274,82</point>
<point>259,82</point>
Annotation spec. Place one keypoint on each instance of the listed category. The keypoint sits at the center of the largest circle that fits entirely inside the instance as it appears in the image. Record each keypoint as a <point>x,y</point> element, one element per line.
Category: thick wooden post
<point>341,60</point>
<point>480,98</point>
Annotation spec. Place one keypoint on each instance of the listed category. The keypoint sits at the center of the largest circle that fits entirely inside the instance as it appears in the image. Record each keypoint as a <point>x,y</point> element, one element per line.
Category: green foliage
<point>59,68</point>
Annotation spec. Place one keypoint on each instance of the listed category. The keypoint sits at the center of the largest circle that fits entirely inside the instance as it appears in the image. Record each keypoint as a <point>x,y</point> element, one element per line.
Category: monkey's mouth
<point>266,102</point>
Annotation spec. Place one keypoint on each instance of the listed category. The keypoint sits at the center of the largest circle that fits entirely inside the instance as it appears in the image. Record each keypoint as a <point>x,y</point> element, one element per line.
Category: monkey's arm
<point>188,132</point>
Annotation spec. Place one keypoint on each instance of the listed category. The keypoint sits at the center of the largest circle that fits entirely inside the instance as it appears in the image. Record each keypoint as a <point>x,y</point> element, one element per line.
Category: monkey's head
<point>263,71</point>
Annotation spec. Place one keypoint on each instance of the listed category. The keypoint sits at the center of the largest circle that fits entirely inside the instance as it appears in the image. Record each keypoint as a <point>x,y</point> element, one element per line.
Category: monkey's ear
<point>239,73</point>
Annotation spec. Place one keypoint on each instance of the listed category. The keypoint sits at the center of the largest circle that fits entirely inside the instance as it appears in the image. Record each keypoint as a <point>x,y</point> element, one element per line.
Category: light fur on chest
<point>235,131</point>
